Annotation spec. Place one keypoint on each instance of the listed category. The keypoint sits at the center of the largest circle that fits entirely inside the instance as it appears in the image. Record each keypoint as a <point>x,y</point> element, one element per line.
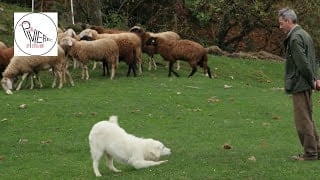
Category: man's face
<point>285,25</point>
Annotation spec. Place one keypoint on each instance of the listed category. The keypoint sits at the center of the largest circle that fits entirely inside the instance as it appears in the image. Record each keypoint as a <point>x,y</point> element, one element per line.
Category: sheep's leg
<point>113,71</point>
<point>94,65</point>
<point>171,70</point>
<point>31,82</point>
<point>150,63</point>
<point>69,76</point>
<point>194,69</point>
<point>209,72</point>
<point>39,80</point>
<point>75,63</point>
<point>178,65</point>
<point>22,80</point>
<point>87,72</point>
<point>60,74</point>
<point>54,82</point>
<point>129,69</point>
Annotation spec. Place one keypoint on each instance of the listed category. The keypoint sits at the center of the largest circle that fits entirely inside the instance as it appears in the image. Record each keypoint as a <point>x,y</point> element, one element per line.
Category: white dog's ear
<point>114,119</point>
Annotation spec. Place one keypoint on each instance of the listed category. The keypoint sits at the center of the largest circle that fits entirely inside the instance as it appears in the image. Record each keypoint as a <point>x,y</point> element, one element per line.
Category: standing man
<point>300,78</point>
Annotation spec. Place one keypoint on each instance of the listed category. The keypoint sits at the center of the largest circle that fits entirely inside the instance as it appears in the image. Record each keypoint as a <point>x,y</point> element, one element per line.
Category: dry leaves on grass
<point>49,141</point>
<point>227,146</point>
<point>213,99</point>
<point>23,141</point>
<point>252,159</point>
<point>23,106</point>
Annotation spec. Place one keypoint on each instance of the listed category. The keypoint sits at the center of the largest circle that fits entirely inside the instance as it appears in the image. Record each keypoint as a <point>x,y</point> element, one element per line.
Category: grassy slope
<point>193,116</point>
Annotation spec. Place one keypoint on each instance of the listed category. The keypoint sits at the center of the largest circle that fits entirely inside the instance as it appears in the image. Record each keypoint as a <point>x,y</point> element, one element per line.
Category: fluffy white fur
<point>107,137</point>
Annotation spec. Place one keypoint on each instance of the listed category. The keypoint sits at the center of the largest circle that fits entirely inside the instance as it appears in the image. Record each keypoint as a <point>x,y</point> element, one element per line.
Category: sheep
<point>186,50</point>
<point>99,50</point>
<point>5,55</point>
<point>129,46</point>
<point>68,33</point>
<point>29,64</point>
<point>101,30</point>
<point>150,50</point>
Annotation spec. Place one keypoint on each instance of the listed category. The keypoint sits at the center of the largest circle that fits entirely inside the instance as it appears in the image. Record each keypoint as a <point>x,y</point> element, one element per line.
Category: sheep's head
<point>87,38</point>
<point>89,33</point>
<point>6,84</point>
<point>136,29</point>
<point>70,32</point>
<point>152,41</point>
<point>99,29</point>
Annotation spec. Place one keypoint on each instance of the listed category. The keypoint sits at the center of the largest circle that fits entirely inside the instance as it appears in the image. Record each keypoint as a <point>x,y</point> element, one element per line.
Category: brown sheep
<point>5,55</point>
<point>186,50</point>
<point>102,30</point>
<point>129,46</point>
<point>150,50</point>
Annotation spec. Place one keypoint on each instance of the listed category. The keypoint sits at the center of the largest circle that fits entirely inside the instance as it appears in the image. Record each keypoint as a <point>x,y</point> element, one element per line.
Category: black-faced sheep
<point>29,64</point>
<point>99,50</point>
<point>149,49</point>
<point>129,46</point>
<point>185,50</point>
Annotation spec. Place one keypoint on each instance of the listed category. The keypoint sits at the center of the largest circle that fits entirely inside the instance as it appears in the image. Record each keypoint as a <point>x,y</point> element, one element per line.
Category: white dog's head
<point>154,150</point>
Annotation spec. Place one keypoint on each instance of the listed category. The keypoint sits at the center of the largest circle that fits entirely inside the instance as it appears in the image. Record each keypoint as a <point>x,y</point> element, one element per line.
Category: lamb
<point>99,50</point>
<point>186,50</point>
<point>29,64</point>
<point>129,46</point>
<point>150,50</point>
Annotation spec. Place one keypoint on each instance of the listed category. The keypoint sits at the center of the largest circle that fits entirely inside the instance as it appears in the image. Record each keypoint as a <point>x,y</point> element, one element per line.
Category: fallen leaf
<point>275,117</point>
<point>213,99</point>
<point>227,86</point>
<point>23,141</point>
<point>227,146</point>
<point>46,141</point>
<point>252,158</point>
<point>22,106</point>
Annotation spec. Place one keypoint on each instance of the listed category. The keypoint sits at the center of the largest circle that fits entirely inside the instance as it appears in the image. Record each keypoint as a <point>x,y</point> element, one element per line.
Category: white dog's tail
<point>113,119</point>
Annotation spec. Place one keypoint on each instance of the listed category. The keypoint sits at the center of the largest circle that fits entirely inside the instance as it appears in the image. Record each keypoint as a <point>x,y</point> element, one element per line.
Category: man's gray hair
<point>287,13</point>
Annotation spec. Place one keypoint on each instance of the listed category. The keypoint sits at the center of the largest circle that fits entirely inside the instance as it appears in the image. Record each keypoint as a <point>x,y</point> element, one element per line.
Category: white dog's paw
<point>98,175</point>
<point>160,162</point>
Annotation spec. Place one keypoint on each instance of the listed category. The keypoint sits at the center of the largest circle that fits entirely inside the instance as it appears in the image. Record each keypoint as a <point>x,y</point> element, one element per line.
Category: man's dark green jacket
<point>301,66</point>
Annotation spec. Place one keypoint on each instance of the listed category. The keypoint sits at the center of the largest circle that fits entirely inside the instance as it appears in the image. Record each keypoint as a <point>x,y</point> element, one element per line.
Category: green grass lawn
<point>194,117</point>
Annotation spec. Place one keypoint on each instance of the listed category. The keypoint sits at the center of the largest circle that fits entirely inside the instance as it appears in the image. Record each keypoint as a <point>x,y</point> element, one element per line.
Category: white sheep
<point>32,64</point>
<point>150,50</point>
<point>186,50</point>
<point>99,50</point>
<point>129,46</point>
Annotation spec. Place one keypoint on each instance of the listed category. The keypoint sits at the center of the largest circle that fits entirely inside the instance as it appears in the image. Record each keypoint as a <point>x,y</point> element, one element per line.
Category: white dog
<point>107,137</point>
